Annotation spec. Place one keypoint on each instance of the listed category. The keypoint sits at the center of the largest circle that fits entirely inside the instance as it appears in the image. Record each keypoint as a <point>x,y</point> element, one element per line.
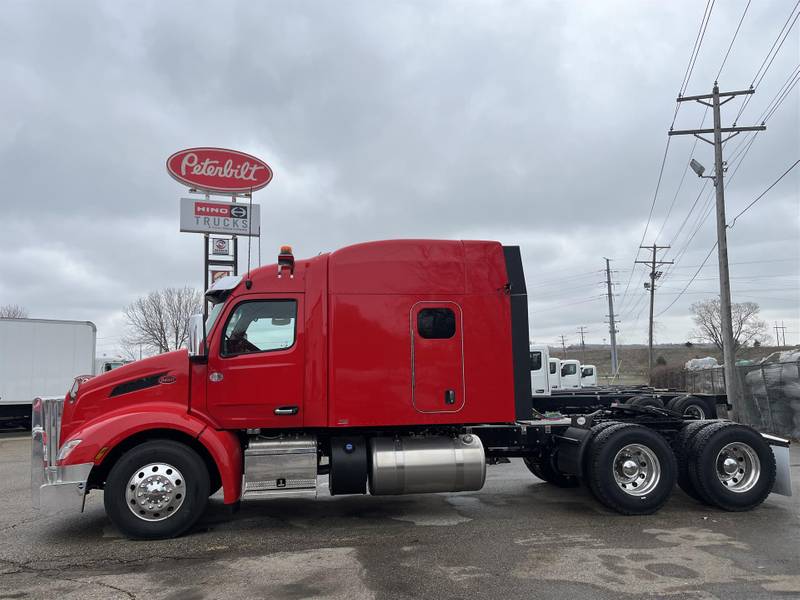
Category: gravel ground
<point>517,538</point>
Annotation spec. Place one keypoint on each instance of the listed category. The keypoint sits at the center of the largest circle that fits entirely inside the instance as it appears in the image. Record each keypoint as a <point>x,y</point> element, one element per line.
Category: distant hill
<point>633,357</point>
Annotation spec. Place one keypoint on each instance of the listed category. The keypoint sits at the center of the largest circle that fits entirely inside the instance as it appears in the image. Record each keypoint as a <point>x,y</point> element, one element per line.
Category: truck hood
<point>163,378</point>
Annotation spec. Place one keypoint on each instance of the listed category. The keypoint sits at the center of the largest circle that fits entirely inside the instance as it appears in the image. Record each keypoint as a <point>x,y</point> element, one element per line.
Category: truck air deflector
<point>520,342</point>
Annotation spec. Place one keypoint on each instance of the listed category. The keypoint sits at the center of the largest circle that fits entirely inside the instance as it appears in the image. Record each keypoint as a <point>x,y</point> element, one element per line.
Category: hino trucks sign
<point>199,215</point>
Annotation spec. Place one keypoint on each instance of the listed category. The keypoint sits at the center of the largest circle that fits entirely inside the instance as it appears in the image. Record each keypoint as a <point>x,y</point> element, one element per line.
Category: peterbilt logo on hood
<point>219,170</point>
<point>166,379</point>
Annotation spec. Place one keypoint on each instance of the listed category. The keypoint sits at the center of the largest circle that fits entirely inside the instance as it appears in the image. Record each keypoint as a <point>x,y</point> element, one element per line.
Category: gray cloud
<point>539,124</point>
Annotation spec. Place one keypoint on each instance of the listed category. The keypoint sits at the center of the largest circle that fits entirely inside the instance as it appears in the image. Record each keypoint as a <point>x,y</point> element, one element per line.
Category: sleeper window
<point>436,323</point>
<point>260,326</point>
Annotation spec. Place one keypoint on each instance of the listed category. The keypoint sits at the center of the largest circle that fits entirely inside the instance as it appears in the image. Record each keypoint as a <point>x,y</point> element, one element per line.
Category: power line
<point>735,33</point>
<point>762,194</point>
<point>710,252</point>
<point>684,84</point>
<point>767,58</point>
<point>747,262</point>
<point>686,287</point>
<point>698,42</point>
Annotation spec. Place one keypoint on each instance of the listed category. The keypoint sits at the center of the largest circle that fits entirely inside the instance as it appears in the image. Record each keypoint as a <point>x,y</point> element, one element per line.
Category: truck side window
<point>260,326</point>
<point>536,361</point>
<point>569,369</point>
<point>552,368</point>
<point>436,323</point>
<point>588,372</point>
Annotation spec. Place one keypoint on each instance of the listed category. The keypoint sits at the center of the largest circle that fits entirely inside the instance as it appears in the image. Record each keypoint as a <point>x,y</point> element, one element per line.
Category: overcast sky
<point>541,124</point>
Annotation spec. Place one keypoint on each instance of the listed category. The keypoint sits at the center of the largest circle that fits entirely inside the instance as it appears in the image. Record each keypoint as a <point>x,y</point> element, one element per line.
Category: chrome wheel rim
<point>155,492</point>
<point>694,411</point>
<point>738,467</point>
<point>637,470</point>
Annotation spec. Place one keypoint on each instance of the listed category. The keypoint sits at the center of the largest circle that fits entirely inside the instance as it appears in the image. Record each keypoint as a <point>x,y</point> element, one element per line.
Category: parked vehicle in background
<point>540,370</point>
<point>588,376</point>
<point>570,374</point>
<point>555,373</point>
<point>105,363</point>
<point>41,357</point>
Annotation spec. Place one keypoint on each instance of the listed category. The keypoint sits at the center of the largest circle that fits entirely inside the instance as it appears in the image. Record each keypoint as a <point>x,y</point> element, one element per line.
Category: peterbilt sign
<point>219,170</point>
<point>199,215</point>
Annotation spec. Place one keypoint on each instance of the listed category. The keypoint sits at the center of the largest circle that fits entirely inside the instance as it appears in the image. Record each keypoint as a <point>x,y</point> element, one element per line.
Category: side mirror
<point>197,335</point>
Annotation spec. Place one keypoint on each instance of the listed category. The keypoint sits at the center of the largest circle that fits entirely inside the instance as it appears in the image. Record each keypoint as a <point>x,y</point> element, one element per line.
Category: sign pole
<point>205,275</point>
<point>236,246</point>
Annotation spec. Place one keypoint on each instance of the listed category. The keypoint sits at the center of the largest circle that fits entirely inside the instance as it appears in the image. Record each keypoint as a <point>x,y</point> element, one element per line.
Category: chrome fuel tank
<point>415,465</point>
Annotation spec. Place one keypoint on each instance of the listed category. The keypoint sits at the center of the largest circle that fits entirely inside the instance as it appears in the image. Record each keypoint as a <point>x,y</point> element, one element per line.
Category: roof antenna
<point>249,282</point>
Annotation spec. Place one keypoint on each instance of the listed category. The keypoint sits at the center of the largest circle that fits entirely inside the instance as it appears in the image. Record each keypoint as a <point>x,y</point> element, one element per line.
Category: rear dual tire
<point>546,470</point>
<point>692,406</point>
<point>630,469</point>
<point>731,466</point>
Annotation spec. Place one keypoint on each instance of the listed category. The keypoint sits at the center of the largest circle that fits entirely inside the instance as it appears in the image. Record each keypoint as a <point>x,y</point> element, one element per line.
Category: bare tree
<point>159,322</point>
<point>13,311</point>
<point>747,327</point>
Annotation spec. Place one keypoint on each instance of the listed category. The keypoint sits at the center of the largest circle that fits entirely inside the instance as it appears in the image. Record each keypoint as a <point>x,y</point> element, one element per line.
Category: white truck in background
<point>41,357</point>
<point>588,376</point>
<point>549,373</point>
<point>570,374</point>
<point>104,364</point>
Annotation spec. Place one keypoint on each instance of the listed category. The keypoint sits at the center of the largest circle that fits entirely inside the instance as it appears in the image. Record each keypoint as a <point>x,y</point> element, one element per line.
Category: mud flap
<point>783,472</point>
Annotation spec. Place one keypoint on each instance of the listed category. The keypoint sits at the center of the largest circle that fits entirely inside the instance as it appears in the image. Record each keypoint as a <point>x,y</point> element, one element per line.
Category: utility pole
<point>564,345</point>
<point>582,331</point>
<point>612,326</point>
<point>782,329</point>
<point>728,351</point>
<point>652,287</point>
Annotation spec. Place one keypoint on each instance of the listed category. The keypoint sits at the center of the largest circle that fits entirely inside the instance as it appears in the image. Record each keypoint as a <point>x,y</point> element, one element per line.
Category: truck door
<point>539,369</point>
<point>437,357</point>
<point>256,366</point>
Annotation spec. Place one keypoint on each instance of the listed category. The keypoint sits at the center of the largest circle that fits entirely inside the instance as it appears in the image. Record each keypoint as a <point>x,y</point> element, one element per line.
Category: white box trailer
<point>41,357</point>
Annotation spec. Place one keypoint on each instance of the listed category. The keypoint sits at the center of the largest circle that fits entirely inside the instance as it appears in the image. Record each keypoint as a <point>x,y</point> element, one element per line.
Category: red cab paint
<point>219,170</point>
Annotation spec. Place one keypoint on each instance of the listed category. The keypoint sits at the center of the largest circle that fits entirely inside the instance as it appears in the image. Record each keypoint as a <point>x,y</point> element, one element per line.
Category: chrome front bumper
<point>53,488</point>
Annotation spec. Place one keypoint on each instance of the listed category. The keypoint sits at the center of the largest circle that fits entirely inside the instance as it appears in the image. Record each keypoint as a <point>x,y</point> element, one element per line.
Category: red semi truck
<point>394,367</point>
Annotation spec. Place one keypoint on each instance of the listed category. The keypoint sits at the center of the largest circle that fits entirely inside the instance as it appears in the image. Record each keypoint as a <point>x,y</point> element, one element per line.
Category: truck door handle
<point>286,410</point>
<point>450,397</point>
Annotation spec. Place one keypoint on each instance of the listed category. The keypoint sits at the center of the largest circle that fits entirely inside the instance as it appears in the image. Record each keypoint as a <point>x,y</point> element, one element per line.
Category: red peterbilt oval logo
<point>219,170</point>
<point>166,379</point>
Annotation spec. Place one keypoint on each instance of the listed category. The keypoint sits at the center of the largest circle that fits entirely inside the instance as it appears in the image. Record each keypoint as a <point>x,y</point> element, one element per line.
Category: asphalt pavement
<point>516,538</point>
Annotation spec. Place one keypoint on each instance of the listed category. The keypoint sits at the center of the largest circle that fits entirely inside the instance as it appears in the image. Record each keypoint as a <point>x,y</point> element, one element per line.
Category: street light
<point>697,167</point>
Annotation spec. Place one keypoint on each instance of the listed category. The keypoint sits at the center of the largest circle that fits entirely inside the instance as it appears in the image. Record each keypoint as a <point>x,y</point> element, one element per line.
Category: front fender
<point>109,430</point>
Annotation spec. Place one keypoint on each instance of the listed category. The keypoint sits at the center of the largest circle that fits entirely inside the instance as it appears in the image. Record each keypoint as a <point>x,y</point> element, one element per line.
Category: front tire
<point>158,489</point>
<point>631,469</point>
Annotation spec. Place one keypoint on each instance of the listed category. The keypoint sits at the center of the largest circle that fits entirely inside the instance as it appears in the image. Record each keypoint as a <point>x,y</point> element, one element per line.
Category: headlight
<point>66,449</point>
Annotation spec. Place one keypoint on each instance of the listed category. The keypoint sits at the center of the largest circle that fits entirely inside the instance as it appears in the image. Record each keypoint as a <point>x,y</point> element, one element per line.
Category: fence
<point>769,394</point>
